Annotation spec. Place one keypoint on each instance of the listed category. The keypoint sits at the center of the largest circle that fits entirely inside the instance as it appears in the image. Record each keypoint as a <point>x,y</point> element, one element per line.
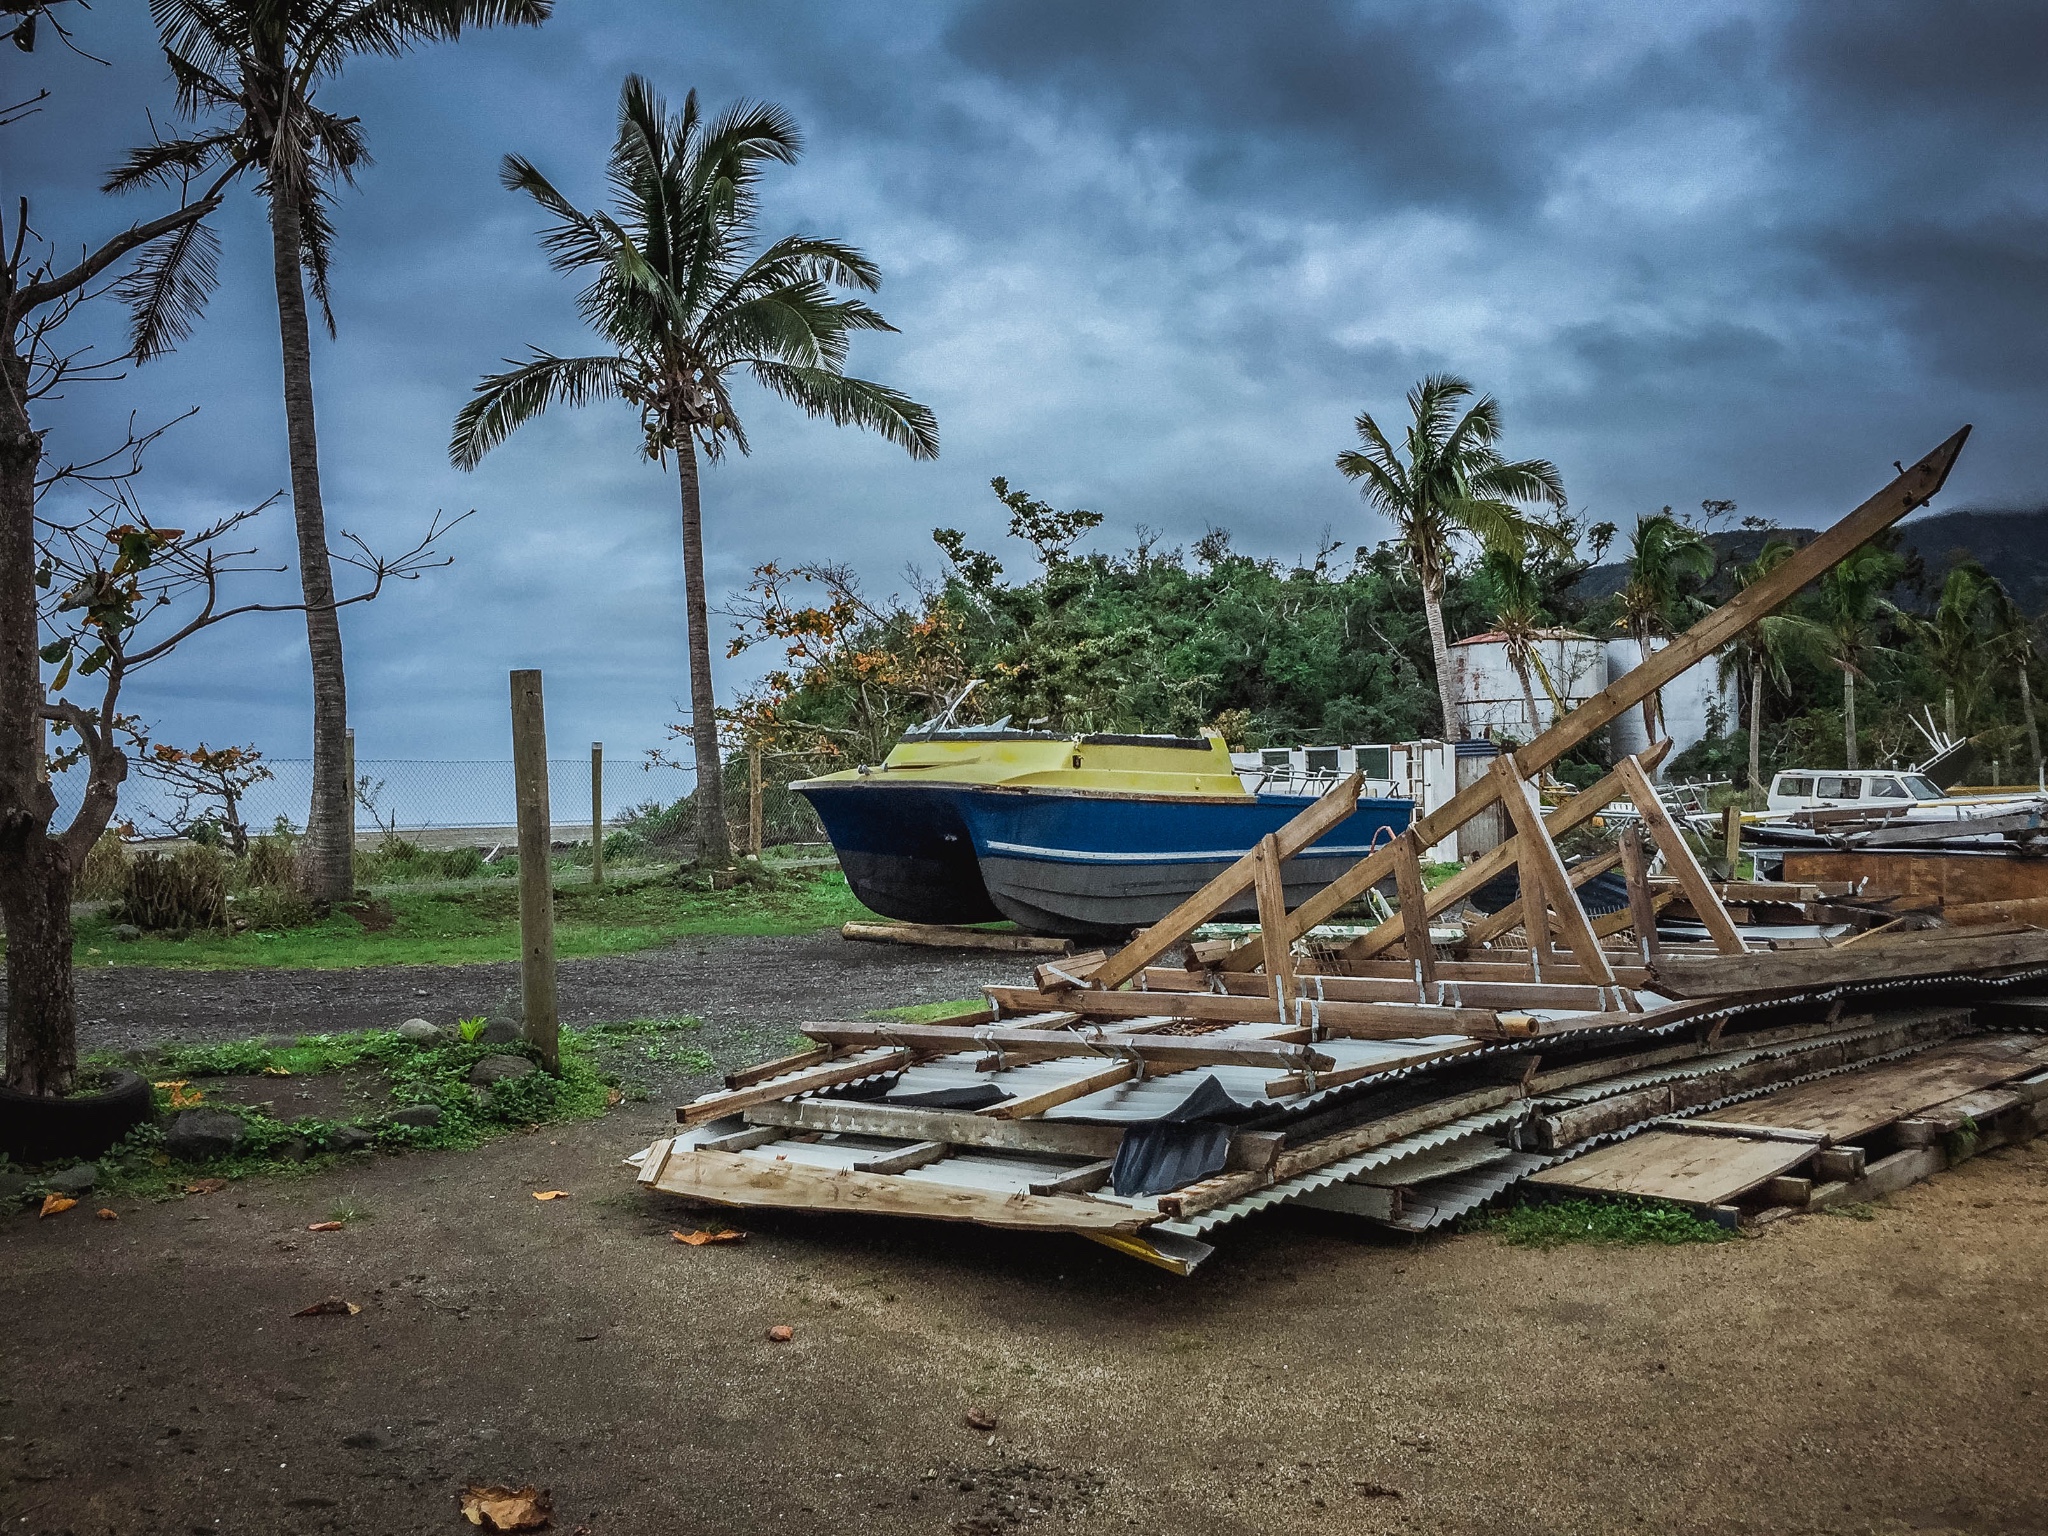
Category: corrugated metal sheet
<point>1430,1205</point>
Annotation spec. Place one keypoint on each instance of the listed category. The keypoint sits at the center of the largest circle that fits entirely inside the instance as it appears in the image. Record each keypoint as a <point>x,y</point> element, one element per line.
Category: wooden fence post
<point>536,887</point>
<point>754,799</point>
<point>597,813</point>
<point>348,757</point>
<point>1731,838</point>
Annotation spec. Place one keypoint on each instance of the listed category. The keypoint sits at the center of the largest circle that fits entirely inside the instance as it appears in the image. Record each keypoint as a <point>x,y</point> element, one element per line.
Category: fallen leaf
<point>699,1239</point>
<point>276,1072</point>
<point>612,1096</point>
<point>507,1509</point>
<point>551,1194</point>
<point>980,1419</point>
<point>206,1186</point>
<point>57,1205</point>
<point>324,1226</point>
<point>105,1214</point>
<point>182,1096</point>
<point>333,1306</point>
<point>781,1333</point>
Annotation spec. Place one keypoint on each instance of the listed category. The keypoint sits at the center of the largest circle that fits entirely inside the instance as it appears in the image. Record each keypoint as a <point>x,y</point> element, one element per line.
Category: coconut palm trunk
<point>327,858</point>
<point>1756,726</point>
<point>2027,710</point>
<point>1440,649</point>
<point>1848,715</point>
<point>714,843</point>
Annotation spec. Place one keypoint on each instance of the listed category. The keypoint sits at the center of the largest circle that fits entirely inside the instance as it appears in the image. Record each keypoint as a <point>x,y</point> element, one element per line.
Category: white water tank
<point>1693,701</point>
<point>1491,701</point>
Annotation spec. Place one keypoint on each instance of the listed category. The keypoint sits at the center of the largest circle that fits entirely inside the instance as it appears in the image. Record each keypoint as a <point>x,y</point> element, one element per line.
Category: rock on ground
<point>199,1135</point>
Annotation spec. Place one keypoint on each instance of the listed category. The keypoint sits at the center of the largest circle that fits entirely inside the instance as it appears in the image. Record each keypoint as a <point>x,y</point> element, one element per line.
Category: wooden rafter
<point>1678,858</point>
<point>1542,870</point>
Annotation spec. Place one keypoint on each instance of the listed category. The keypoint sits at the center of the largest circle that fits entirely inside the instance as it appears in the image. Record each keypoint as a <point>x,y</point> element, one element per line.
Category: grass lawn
<point>458,924</point>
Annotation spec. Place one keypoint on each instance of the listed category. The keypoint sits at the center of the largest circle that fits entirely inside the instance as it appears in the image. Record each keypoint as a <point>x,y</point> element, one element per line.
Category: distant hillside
<point>2011,544</point>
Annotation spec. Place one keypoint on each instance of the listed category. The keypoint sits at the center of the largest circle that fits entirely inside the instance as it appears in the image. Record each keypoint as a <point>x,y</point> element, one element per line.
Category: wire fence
<point>470,798</point>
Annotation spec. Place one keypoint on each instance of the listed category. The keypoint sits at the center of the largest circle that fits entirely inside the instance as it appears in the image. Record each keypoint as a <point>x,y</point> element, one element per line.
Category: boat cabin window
<point>1274,757</point>
<point>1888,789</point>
<point>1376,762</point>
<point>1838,789</point>
<point>1923,787</point>
<point>1322,760</point>
<point>1792,786</point>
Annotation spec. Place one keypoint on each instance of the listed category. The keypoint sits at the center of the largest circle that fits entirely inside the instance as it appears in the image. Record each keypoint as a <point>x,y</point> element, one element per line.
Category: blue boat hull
<point>906,852</point>
<point>1071,863</point>
<point>1098,866</point>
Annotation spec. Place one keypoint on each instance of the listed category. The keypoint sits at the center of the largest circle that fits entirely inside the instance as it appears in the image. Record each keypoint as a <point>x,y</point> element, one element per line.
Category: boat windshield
<point>1924,788</point>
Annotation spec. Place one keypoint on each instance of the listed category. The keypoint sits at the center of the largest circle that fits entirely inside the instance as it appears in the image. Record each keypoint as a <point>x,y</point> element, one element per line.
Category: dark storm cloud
<point>1145,258</point>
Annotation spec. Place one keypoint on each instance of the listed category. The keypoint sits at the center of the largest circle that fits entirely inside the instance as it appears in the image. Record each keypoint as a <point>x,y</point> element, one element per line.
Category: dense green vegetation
<point>1553,1223</point>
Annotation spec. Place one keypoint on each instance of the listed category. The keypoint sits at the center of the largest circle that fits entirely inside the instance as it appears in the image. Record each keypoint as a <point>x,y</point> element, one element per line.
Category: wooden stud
<point>597,813</point>
<point>902,1160</point>
<point>541,1027</point>
<point>746,1077</point>
<point>1635,869</point>
<point>1508,917</point>
<point>1079,1182</point>
<point>1030,1104</point>
<point>1540,859</point>
<point>1272,897</point>
<point>847,1070</point>
<point>1678,857</point>
<point>1731,839</point>
<point>740,1141</point>
<point>1415,939</point>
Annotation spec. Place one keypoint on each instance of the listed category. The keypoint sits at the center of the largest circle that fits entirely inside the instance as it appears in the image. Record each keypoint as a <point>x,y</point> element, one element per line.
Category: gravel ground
<point>1831,1378</point>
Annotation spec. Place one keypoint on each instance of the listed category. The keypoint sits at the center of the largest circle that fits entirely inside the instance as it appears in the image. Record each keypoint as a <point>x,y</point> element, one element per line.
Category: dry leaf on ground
<point>276,1072</point>
<point>57,1205</point>
<point>980,1419</point>
<point>183,1095</point>
<point>333,1306</point>
<point>699,1239</point>
<point>613,1097</point>
<point>507,1509</point>
<point>551,1194</point>
<point>781,1333</point>
<point>324,1226</point>
<point>107,1214</point>
<point>206,1186</point>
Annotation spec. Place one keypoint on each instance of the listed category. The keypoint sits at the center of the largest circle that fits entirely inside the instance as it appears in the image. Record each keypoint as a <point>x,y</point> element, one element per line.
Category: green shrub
<point>1551,1223</point>
<point>273,906</point>
<point>273,860</point>
<point>461,863</point>
<point>105,876</point>
<point>179,892</point>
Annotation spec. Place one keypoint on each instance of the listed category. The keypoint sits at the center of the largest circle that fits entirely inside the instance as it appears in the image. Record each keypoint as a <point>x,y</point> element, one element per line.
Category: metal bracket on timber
<point>1912,489</point>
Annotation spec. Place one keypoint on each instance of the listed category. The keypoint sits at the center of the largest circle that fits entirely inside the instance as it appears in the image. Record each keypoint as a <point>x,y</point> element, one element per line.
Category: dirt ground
<point>1829,1376</point>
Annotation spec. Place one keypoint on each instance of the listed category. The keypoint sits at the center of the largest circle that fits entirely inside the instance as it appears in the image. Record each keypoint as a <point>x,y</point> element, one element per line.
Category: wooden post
<point>348,754</point>
<point>1731,838</point>
<point>1678,858</point>
<point>1415,917</point>
<point>1543,876</point>
<point>1272,899</point>
<point>597,813</point>
<point>754,799</point>
<point>1635,869</point>
<point>536,886</point>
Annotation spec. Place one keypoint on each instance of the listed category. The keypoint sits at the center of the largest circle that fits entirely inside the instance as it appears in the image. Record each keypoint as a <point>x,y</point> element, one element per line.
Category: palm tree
<point>684,309</point>
<point>1668,558</point>
<point>1851,602</point>
<point>1955,639</point>
<point>1452,487</point>
<point>1760,653</point>
<point>2013,636</point>
<point>1519,617</point>
<point>247,71</point>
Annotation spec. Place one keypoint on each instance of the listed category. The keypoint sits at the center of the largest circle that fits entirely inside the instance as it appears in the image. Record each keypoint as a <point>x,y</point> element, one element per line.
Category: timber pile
<point>1146,1097</point>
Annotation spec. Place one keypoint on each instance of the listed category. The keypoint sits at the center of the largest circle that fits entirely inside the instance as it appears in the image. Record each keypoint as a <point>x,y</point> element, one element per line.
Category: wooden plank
<point>906,1122</point>
<point>1540,859</point>
<point>1848,1107</point>
<point>1939,876</point>
<point>1707,1127</point>
<point>1938,954</point>
<point>1635,868</point>
<point>850,1069</point>
<point>1678,857</point>
<point>1079,1182</point>
<point>1572,814</point>
<point>1416,943</point>
<point>1049,1044</point>
<point>1079,1087</point>
<point>1074,971</point>
<point>746,1077</point>
<point>1272,898</point>
<point>752,1180</point>
<point>740,1141</point>
<point>1360,1021</point>
<point>1454,990</point>
<point>903,1159</point>
<point>1303,831</point>
<point>937,936</point>
<point>1668,1165</point>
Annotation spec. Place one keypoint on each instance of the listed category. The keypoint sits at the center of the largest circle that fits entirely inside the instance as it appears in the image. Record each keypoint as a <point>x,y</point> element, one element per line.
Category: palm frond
<point>504,402</point>
<point>850,402</point>
<point>1523,480</point>
<point>168,162</point>
<point>169,287</point>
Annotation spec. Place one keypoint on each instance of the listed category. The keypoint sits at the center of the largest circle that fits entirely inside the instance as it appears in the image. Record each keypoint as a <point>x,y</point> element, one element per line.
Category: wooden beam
<point>903,1159</point>
<point>1027,1105</point>
<point>1540,858</point>
<point>1272,897</point>
<point>938,936</point>
<point>1361,1021</point>
<point>849,1069</point>
<point>1079,1182</point>
<point>1568,817</point>
<point>746,1077</point>
<point>1635,869</point>
<point>1415,940</point>
<point>1044,1044</point>
<point>1961,952</point>
<point>1310,827</point>
<point>759,1181</point>
<point>1912,489</point>
<point>1678,856</point>
<point>908,1122</point>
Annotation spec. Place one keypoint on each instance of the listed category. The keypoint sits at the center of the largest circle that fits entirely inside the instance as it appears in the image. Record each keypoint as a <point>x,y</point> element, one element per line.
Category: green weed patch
<point>1553,1223</point>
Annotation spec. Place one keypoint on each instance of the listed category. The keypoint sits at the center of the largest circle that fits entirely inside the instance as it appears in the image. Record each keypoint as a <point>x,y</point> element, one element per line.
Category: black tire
<point>39,1130</point>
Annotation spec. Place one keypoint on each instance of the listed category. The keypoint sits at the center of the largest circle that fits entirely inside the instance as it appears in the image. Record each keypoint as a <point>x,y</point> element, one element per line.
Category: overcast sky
<point>1145,258</point>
